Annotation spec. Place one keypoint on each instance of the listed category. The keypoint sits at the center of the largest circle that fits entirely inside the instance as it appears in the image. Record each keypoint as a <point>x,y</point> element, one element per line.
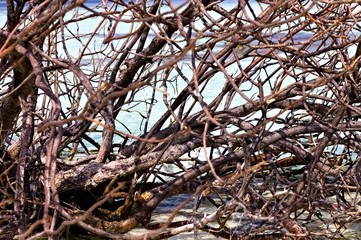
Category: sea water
<point>132,116</point>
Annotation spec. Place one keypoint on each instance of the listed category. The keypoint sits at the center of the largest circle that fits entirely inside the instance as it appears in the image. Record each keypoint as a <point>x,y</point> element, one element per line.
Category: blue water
<point>131,115</point>
<point>132,119</point>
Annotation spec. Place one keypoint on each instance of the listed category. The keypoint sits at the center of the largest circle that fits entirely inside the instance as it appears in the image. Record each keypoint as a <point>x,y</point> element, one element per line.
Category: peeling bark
<point>92,174</point>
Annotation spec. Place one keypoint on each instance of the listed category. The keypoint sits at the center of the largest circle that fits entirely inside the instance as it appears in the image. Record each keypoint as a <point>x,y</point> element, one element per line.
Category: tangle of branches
<point>233,118</point>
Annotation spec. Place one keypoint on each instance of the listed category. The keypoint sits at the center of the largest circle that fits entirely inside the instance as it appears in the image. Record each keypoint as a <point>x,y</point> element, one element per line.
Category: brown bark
<point>23,84</point>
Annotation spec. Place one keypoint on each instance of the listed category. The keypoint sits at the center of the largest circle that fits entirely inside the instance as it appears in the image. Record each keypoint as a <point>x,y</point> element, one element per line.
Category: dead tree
<point>110,109</point>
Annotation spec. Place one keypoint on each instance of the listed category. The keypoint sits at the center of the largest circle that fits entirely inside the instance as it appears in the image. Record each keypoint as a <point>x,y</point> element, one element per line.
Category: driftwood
<point>251,107</point>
